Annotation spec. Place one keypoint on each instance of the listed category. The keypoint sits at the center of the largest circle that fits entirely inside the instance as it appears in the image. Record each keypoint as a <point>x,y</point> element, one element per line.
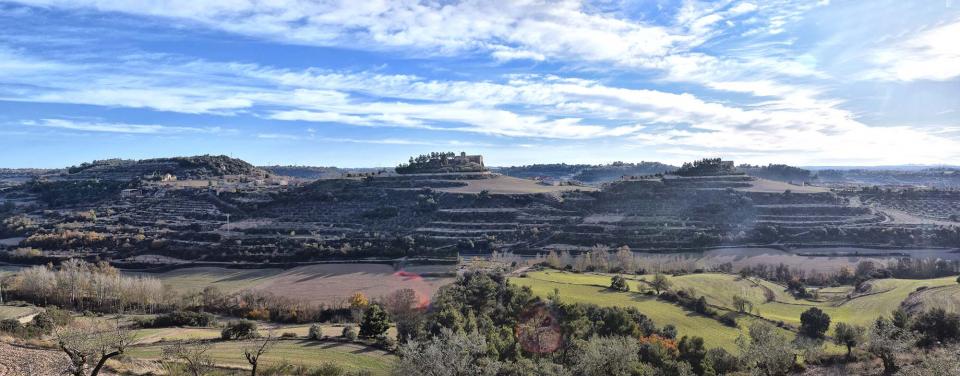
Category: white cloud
<point>117,127</point>
<point>933,54</point>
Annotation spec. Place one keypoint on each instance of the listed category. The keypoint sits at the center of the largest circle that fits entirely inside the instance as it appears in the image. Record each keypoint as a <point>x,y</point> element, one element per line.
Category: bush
<point>11,326</point>
<point>387,343</point>
<point>328,369</point>
<point>288,335</point>
<point>243,329</point>
<point>183,318</point>
<point>349,333</point>
<point>721,361</point>
<point>729,319</point>
<point>619,283</point>
<point>316,332</point>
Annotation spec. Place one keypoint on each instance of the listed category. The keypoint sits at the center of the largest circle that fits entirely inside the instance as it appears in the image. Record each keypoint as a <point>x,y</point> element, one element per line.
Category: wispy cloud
<point>933,54</point>
<point>116,127</point>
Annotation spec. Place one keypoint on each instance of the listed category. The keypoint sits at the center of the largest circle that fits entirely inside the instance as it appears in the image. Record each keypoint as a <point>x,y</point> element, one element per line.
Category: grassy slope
<point>579,288</point>
<point>719,290</point>
<point>349,356</point>
<point>946,297</point>
<point>860,310</point>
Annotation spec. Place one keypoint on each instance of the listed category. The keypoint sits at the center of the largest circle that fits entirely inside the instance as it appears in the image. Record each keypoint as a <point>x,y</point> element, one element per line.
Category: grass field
<point>13,312</point>
<point>884,296</point>
<point>351,357</point>
<point>946,297</point>
<point>583,288</point>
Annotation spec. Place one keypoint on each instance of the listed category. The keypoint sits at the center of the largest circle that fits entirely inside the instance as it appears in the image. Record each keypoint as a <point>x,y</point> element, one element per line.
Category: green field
<point>587,288</point>
<point>351,357</point>
<point>884,296</point>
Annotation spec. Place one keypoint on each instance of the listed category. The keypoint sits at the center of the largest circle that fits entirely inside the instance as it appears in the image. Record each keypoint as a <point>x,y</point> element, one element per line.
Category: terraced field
<point>326,283</point>
<point>352,357</point>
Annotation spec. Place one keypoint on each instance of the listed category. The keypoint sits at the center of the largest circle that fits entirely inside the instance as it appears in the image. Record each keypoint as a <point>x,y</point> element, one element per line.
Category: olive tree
<point>91,344</point>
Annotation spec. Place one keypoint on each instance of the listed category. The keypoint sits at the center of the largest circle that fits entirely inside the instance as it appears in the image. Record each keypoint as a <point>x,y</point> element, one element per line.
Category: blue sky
<point>368,83</point>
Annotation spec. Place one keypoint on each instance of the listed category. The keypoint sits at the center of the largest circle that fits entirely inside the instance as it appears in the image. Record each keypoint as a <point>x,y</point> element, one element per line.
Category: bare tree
<point>92,342</point>
<point>193,356</point>
<point>254,353</point>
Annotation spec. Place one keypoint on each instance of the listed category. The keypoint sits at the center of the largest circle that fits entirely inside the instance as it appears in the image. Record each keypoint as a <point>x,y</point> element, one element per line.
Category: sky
<point>369,83</point>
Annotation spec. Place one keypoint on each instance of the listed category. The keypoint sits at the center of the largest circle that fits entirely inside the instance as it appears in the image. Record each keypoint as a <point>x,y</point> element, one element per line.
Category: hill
<point>442,162</point>
<point>589,174</point>
<point>305,172</point>
<point>183,168</point>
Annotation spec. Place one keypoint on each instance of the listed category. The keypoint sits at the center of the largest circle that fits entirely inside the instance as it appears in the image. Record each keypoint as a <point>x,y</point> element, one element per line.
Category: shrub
<point>328,369</point>
<point>619,283</point>
<point>349,333</point>
<point>316,332</point>
<point>729,319</point>
<point>183,318</point>
<point>11,326</point>
<point>387,343</point>
<point>288,335</point>
<point>243,329</point>
<point>720,361</point>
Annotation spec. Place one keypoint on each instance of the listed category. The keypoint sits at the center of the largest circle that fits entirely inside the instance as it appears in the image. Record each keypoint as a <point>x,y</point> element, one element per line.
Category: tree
<point>404,308</point>
<point>253,354</point>
<point>742,304</point>
<point>619,283</point>
<point>766,351</point>
<point>85,342</point>
<point>192,355</point>
<point>886,341</point>
<point>660,283</point>
<point>600,356</point>
<point>694,352</point>
<point>848,335</point>
<point>937,325</point>
<point>243,329</point>
<point>814,323</point>
<point>359,301</point>
<point>901,318</point>
<point>374,322</point>
<point>450,353</point>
